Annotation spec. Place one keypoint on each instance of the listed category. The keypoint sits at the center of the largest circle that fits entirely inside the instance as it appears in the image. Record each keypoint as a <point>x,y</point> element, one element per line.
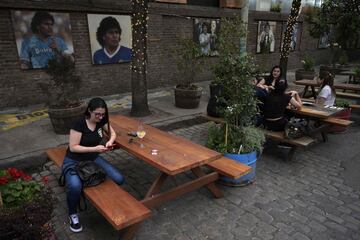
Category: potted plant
<point>26,207</point>
<point>345,114</point>
<point>307,72</point>
<point>61,90</point>
<point>189,61</point>
<point>275,7</point>
<point>237,138</point>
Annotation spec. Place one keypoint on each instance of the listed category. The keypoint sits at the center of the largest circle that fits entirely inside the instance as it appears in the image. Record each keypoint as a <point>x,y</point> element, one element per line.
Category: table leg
<point>130,232</point>
<point>156,186</point>
<point>154,198</point>
<point>211,186</point>
<point>304,92</point>
<point>313,92</point>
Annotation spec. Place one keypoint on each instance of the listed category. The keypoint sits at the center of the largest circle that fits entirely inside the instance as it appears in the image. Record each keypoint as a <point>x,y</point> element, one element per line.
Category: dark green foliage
<point>64,84</point>
<point>189,60</point>
<point>234,73</point>
<point>342,103</point>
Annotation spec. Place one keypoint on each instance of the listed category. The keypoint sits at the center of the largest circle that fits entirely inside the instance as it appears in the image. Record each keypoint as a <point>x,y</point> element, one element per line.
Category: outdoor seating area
<point>180,120</point>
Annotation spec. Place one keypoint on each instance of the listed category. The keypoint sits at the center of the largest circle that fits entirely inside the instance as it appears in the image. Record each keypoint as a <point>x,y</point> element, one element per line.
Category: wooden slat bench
<point>295,143</point>
<point>338,121</point>
<point>347,95</point>
<point>119,208</point>
<point>229,167</point>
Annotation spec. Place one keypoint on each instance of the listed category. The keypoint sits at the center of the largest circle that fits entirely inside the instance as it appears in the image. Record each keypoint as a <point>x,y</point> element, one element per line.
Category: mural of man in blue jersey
<point>108,36</point>
<point>42,43</point>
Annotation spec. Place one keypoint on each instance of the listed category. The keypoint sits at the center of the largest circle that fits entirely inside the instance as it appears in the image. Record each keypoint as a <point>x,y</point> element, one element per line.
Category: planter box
<point>232,3</point>
<point>172,1</point>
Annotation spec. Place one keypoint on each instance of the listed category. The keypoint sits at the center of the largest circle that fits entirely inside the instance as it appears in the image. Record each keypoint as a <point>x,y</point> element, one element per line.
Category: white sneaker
<point>75,225</point>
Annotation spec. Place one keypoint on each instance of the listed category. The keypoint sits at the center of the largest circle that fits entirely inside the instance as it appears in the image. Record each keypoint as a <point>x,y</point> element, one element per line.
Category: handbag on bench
<point>296,128</point>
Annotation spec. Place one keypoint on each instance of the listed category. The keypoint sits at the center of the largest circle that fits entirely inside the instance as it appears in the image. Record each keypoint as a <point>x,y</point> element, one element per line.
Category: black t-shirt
<point>88,139</point>
<point>275,105</point>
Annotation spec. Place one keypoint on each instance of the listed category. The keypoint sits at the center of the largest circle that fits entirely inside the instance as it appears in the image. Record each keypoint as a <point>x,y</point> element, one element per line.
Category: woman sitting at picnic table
<point>275,105</point>
<point>85,145</point>
<point>327,92</point>
<point>269,81</point>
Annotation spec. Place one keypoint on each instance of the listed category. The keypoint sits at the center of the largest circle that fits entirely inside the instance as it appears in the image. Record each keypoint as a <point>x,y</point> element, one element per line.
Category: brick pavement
<point>306,198</point>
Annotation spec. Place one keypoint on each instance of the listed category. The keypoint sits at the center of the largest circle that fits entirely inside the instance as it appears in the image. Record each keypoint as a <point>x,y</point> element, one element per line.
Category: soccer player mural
<point>41,36</point>
<point>110,38</point>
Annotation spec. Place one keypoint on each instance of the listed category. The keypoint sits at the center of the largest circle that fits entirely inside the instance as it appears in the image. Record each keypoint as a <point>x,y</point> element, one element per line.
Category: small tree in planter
<point>189,62</point>
<point>61,90</point>
<point>234,72</point>
<point>307,72</point>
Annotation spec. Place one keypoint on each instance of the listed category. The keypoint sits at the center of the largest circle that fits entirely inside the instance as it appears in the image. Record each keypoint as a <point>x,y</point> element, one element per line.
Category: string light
<point>139,26</point>
<point>294,14</point>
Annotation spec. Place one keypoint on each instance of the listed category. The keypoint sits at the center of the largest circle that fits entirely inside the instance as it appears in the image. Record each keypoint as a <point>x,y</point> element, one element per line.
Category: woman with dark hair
<point>327,92</point>
<point>109,36</point>
<point>269,82</point>
<point>85,145</point>
<point>275,105</point>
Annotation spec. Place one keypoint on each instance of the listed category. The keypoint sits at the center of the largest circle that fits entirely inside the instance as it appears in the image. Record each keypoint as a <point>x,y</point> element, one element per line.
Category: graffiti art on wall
<point>110,38</point>
<point>266,38</point>
<point>40,36</point>
<point>206,32</point>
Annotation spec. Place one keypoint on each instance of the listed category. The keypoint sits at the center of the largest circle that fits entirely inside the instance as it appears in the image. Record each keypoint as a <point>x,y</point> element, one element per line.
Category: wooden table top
<point>307,82</point>
<point>349,72</point>
<point>175,154</point>
<point>316,111</point>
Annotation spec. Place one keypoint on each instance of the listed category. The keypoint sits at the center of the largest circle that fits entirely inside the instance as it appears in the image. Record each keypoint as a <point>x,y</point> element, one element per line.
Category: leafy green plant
<point>27,206</point>
<point>357,71</point>
<point>189,61</point>
<point>342,103</point>
<point>308,63</point>
<point>234,73</point>
<point>62,88</point>
<point>275,7</point>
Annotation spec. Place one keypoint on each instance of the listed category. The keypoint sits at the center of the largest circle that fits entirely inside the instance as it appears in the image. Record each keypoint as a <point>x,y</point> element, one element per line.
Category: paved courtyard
<point>314,196</point>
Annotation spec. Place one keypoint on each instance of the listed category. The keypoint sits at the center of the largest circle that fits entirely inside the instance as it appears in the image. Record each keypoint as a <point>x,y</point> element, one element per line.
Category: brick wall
<point>167,22</point>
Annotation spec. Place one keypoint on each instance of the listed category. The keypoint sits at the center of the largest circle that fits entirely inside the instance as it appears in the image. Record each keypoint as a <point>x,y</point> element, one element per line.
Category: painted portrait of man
<point>110,38</point>
<point>206,32</point>
<point>41,36</point>
<point>266,38</point>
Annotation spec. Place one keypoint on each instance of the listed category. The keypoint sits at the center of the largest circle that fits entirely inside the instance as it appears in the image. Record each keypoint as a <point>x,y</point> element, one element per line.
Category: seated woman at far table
<point>275,106</point>
<point>327,92</point>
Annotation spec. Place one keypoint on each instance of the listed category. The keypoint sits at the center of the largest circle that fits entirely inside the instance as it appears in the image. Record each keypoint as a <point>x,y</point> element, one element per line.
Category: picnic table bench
<point>119,208</point>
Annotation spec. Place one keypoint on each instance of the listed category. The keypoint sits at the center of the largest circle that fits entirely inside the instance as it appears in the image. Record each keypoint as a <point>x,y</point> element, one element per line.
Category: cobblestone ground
<point>302,199</point>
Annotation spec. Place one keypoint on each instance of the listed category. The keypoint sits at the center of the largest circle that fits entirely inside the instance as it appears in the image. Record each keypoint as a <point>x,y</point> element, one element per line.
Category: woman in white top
<point>327,93</point>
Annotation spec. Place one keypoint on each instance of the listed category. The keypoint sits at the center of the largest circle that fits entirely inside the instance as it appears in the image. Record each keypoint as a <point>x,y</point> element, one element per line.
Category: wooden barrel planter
<point>62,119</point>
<point>187,98</point>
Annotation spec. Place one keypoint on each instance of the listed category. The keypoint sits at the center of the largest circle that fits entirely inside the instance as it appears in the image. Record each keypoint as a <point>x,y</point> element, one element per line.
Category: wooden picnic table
<point>320,114</point>
<point>175,155</point>
<point>312,83</point>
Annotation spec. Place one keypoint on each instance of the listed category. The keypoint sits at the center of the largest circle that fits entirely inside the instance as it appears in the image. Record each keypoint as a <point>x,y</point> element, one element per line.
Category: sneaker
<point>75,225</point>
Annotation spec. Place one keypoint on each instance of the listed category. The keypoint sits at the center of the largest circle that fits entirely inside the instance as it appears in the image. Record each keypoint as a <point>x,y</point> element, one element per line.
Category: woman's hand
<point>109,144</point>
<point>101,148</point>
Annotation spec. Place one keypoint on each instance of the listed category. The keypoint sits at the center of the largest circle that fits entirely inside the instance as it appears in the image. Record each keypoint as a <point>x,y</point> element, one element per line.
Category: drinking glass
<point>141,134</point>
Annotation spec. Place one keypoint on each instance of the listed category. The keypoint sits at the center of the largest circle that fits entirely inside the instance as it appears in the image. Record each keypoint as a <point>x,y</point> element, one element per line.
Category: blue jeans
<point>74,184</point>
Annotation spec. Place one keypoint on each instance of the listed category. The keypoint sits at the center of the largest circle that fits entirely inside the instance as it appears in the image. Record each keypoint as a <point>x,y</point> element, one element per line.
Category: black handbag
<point>90,173</point>
<point>296,128</point>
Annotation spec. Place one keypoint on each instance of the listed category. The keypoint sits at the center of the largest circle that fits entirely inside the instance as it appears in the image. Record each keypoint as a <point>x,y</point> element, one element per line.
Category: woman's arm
<point>112,136</point>
<point>74,144</point>
<point>320,101</point>
<point>295,103</point>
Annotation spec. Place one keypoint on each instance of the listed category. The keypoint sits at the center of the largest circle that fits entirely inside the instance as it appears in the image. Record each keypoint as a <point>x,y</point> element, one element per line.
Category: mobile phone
<point>113,146</point>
